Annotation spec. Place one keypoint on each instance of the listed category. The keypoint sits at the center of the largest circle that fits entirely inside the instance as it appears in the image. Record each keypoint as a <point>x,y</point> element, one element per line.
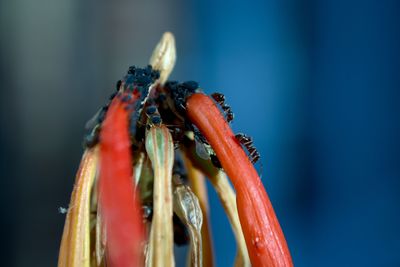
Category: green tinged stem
<point>160,149</point>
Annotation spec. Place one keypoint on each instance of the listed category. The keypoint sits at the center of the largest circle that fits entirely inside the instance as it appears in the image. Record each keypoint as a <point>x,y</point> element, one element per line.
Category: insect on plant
<point>220,99</point>
<point>140,186</point>
<point>247,142</point>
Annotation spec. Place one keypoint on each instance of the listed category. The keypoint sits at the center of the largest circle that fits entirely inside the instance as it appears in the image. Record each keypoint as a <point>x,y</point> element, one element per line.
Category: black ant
<point>137,81</point>
<point>247,142</point>
<point>154,117</point>
<point>220,99</point>
<point>147,211</point>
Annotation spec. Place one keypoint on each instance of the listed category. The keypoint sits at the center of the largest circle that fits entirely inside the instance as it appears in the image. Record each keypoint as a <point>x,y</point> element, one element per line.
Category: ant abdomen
<point>220,99</point>
<point>247,142</point>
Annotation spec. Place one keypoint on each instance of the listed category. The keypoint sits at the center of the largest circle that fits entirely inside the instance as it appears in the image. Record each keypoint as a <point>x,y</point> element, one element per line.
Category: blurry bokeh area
<point>315,83</point>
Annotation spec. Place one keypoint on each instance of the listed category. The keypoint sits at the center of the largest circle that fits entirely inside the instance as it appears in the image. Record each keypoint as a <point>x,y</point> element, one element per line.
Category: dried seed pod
<point>187,207</point>
<point>227,197</point>
<point>198,185</point>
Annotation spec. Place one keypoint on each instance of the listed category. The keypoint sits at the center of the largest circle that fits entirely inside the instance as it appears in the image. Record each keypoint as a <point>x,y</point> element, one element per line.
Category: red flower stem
<point>118,200</point>
<point>264,238</point>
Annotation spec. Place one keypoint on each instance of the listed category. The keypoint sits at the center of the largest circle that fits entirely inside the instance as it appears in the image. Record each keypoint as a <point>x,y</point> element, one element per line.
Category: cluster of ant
<point>152,105</point>
<point>165,105</point>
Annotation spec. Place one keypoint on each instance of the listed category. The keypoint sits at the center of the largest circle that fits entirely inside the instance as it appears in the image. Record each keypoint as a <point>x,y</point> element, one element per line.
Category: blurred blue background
<point>316,83</point>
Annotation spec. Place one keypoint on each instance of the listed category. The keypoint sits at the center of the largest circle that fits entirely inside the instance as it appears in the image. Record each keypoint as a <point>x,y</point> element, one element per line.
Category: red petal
<point>264,238</point>
<point>119,201</point>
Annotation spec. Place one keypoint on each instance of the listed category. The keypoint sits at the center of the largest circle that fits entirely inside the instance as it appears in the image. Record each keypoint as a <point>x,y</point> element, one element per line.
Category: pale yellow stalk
<point>137,168</point>
<point>198,185</point>
<point>75,244</point>
<point>187,207</point>
<point>227,197</point>
<point>160,149</point>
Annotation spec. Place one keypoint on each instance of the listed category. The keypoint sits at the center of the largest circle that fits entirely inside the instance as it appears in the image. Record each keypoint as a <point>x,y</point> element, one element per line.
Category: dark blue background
<point>316,83</point>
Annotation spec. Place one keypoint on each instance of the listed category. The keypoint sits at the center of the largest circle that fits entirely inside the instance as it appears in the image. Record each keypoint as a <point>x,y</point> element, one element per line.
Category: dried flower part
<point>75,244</point>
<point>138,168</point>
<point>98,231</point>
<point>187,207</point>
<point>227,196</point>
<point>198,185</point>
<point>164,57</point>
<point>146,182</point>
<point>100,243</point>
<point>132,196</point>
<point>160,149</point>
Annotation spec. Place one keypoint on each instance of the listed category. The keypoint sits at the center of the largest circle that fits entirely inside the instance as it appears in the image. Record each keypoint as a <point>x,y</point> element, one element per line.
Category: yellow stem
<point>75,243</point>
<point>227,197</point>
<point>198,185</point>
<point>160,149</point>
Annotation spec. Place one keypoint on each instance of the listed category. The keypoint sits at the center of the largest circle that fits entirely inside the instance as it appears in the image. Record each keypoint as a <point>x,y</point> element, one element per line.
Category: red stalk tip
<point>118,199</point>
<point>264,238</point>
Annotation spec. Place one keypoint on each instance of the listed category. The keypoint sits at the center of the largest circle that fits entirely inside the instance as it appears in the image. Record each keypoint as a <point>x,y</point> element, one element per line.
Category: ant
<point>153,115</point>
<point>247,142</point>
<point>220,99</point>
